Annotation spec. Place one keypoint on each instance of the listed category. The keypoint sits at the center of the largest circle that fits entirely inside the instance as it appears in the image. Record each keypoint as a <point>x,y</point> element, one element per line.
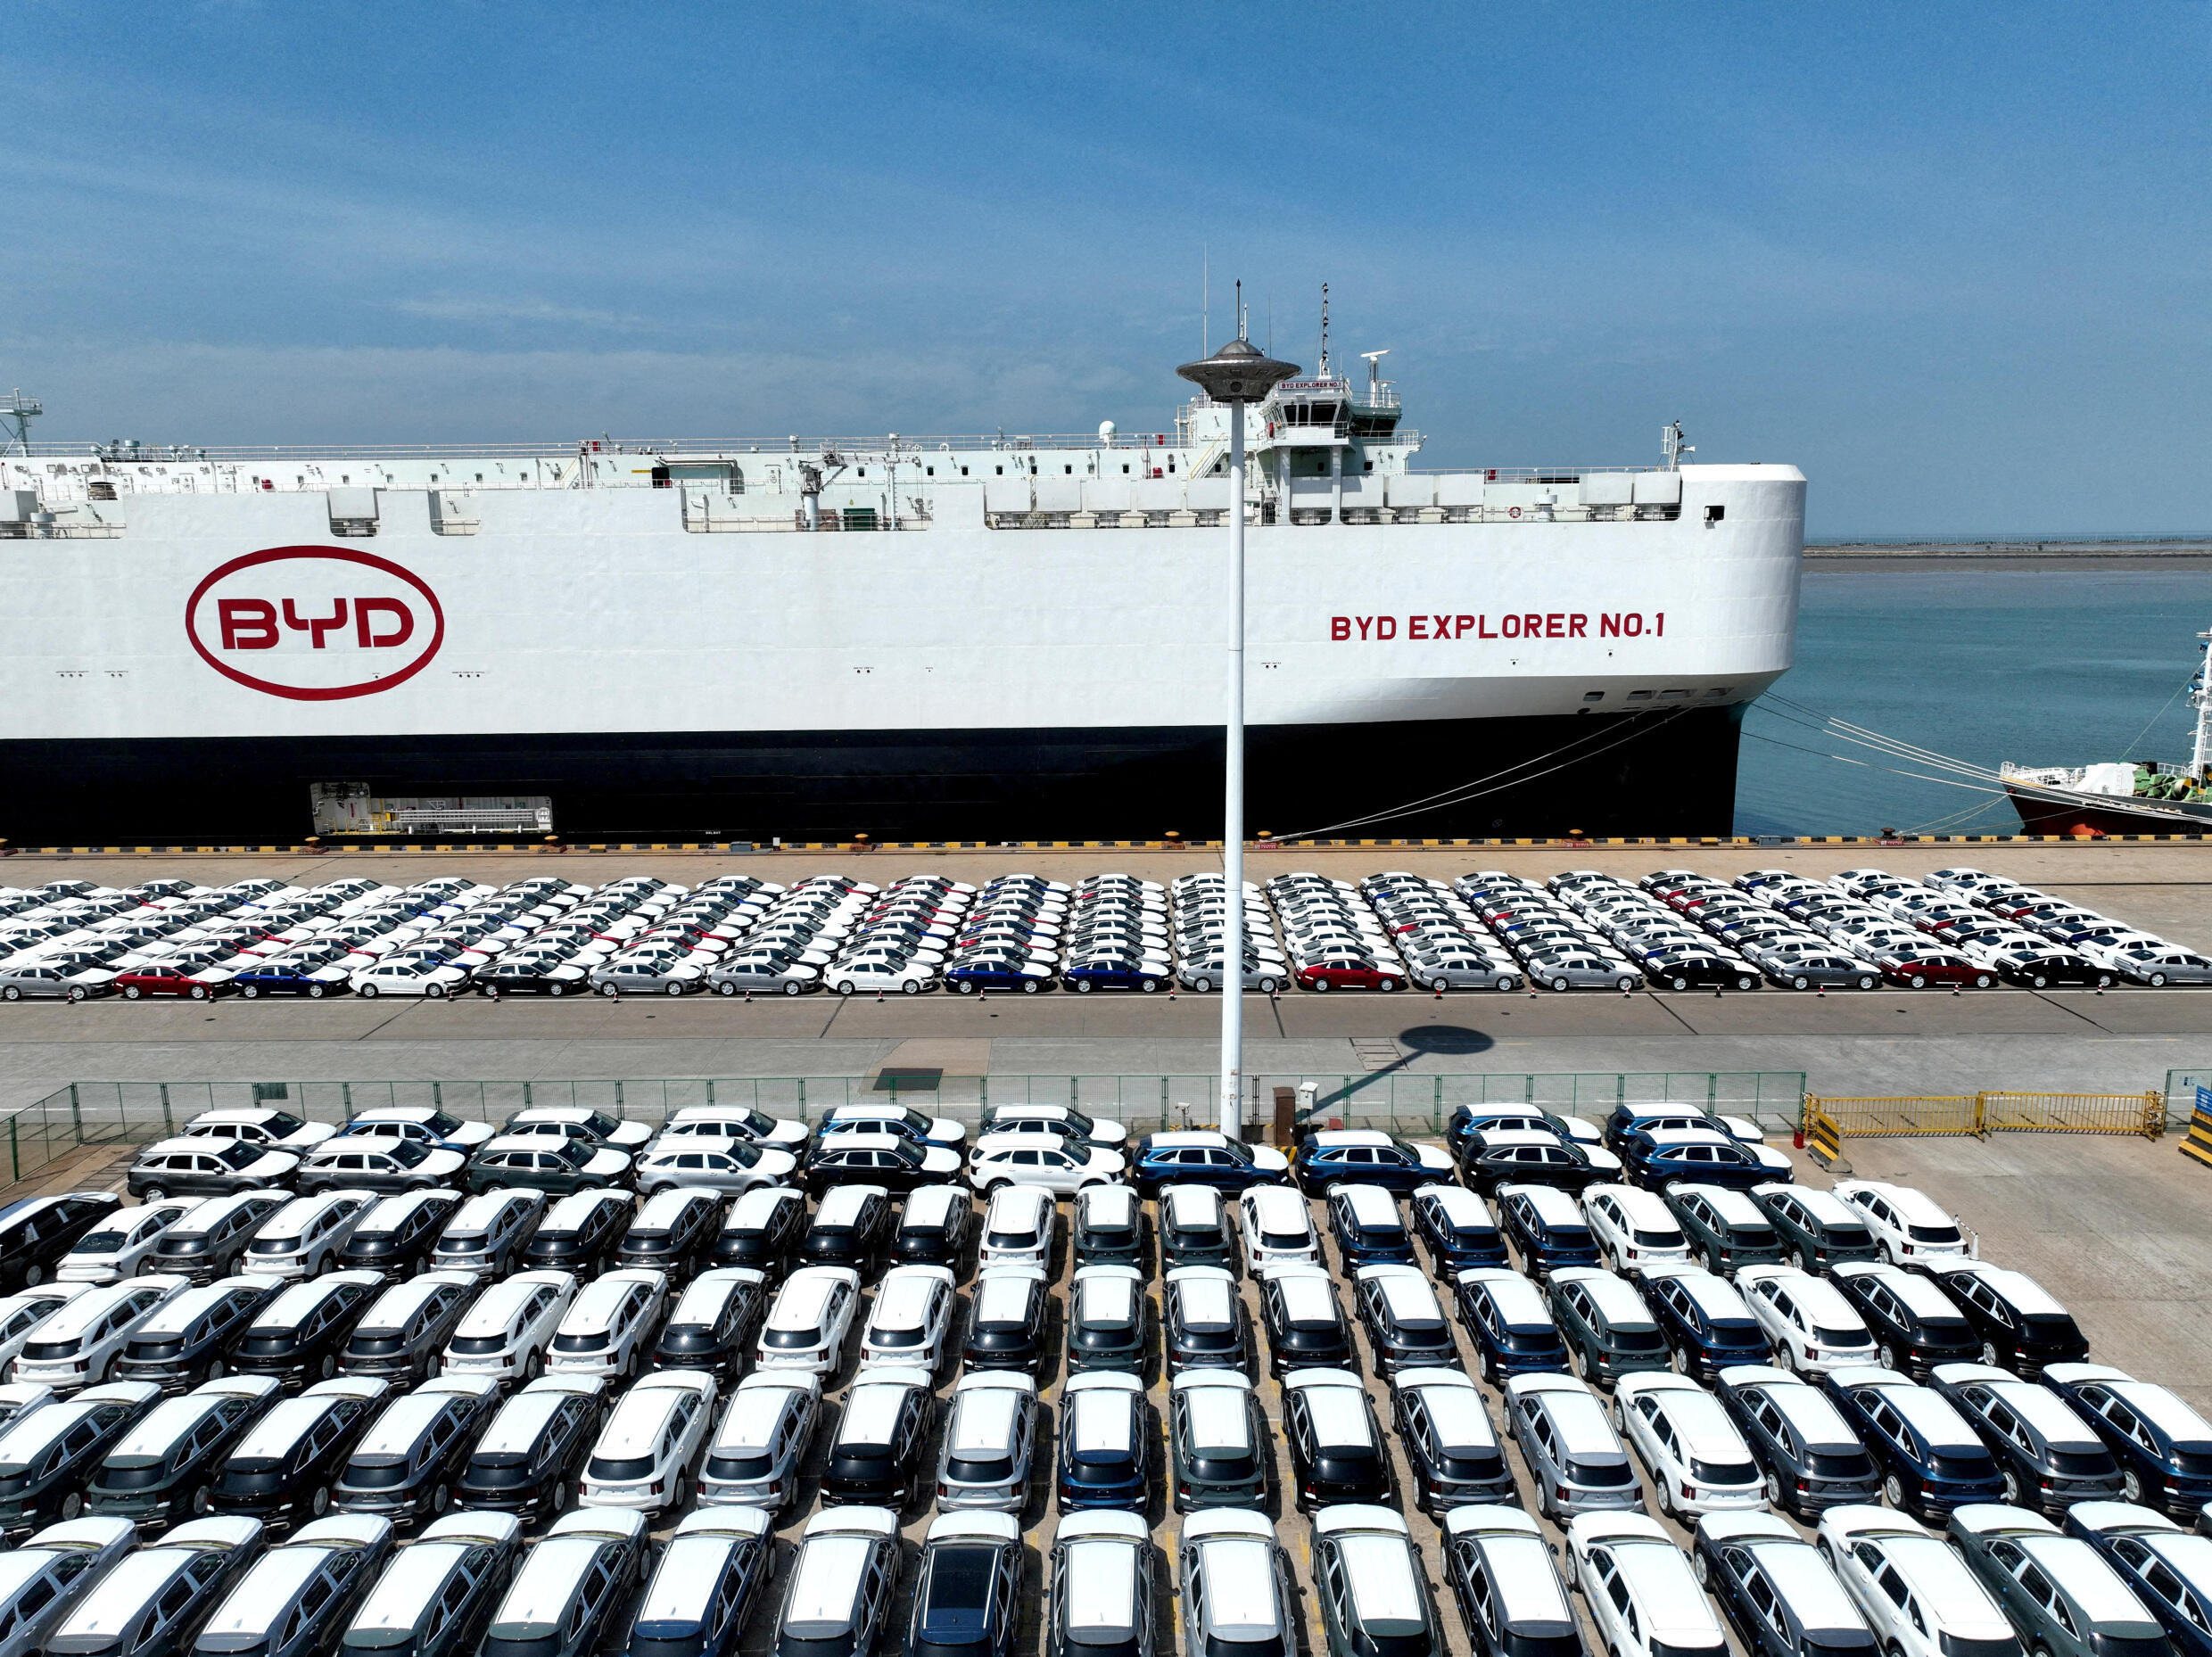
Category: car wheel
<point>1148,984</point>
<point>1678,983</point>
<point>610,990</point>
<point>1894,1491</point>
<point>72,1505</point>
<point>1084,986</point>
<point>844,986</point>
<point>1268,986</point>
<point>1700,1568</point>
<point>2132,1485</point>
<point>367,993</point>
<point>314,992</point>
<point>557,989</point>
<point>1202,987</point>
<point>2037,980</point>
<point>725,989</point>
<point>433,991</point>
<point>201,1500</point>
<point>1918,980</point>
<point>1800,982</point>
<point>440,1498</point>
<point>319,1502</point>
<point>966,987</point>
<point>2104,980</point>
<point>676,988</point>
<point>1505,983</point>
<point>131,992</point>
<point>1867,981</point>
<point>2157,980</point>
<point>1030,987</point>
<point>912,987</point>
<point>250,991</point>
<point>328,1367</point>
<point>1797,1259</point>
<point>1982,980</point>
<point>198,992</point>
<point>1677,1360</point>
<point>152,1193</point>
<point>1628,986</point>
<point>1989,1354</point>
<point>1746,984</point>
<point>1320,986</point>
<point>1774,1490</point>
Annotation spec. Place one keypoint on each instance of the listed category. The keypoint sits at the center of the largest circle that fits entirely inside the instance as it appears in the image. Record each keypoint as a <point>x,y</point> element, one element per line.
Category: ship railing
<point>1260,512</point>
<point>905,446</point>
<point>59,531</point>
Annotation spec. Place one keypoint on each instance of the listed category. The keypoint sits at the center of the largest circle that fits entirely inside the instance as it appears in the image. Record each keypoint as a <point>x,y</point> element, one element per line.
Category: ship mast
<point>2201,698</point>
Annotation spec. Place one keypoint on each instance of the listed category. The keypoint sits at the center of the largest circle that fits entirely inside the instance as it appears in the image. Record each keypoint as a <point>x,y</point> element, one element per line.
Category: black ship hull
<point>1659,773</point>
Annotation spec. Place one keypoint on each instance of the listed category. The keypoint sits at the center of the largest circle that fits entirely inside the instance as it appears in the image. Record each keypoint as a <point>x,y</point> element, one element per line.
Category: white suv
<point>1908,1223</point>
<point>505,1333</point>
<point>1698,1462</point>
<point>1060,1166</point>
<point>1913,1587</point>
<point>807,1323</point>
<point>1638,1587</point>
<point>75,1346</point>
<point>1274,1227</point>
<point>648,1452</point>
<point>303,1238</point>
<point>910,1318</point>
<point>1634,1228</point>
<point>1806,1317</point>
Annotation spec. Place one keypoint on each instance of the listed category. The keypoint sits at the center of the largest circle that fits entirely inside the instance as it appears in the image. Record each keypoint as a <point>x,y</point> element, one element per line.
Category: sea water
<point>2055,663</point>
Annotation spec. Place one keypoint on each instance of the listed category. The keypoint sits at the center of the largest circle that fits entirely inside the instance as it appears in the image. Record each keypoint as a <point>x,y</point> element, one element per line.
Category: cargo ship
<point>940,638</point>
<point>2124,797</point>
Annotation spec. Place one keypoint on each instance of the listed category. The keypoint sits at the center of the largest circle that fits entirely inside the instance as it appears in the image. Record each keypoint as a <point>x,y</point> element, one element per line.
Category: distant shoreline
<point>2155,549</point>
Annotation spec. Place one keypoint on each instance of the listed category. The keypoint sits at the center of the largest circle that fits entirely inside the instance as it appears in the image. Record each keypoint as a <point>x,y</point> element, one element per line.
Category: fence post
<point>345,1099</point>
<point>437,1095</point>
<point>169,1122</point>
<point>77,1115</point>
<point>983,1091</point>
<point>1981,1115</point>
<point>1436,1105</point>
<point>710,1093</point>
<point>1163,1104</point>
<point>15,1162</point>
<point>1075,1085</point>
<point>802,1098</point>
<point>2154,1115</point>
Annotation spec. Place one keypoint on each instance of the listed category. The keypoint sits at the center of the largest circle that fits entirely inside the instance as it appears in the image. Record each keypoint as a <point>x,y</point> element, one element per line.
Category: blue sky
<point>1951,259</point>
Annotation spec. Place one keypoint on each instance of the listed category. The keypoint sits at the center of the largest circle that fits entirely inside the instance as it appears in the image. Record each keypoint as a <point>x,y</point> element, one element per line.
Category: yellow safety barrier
<point>2197,1143</point>
<point>1822,1137</point>
<point>1996,1111</point>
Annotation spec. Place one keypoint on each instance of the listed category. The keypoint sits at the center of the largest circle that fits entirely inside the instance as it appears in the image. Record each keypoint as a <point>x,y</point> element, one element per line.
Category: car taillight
<point>1559,1492</point>
<point>1689,1491</point>
<point>1803,1485</point>
<point>1812,1355</point>
<point>654,1488</point>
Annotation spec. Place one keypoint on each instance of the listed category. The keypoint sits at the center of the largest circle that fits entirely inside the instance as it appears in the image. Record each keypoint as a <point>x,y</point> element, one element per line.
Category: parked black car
<point>878,1451</point>
<point>968,1590</point>
<point>2022,1328</point>
<point>1485,1551</point>
<point>1514,1156</point>
<point>37,1231</point>
<point>581,1233</point>
<point>1218,1450</point>
<point>1915,1326</point>
<point>1754,1565</point>
<point>712,1323</point>
<point>47,1455</point>
<point>2048,1457</point>
<point>1726,1228</point>
<point>1335,1442</point>
<point>675,1232</point>
<point>1450,1442</point>
<point>1707,1326</point>
<point>192,1339</point>
<point>936,1225</point>
<point>160,1473</point>
<point>1109,1228</point>
<point>299,1335</point>
<point>396,1236</point>
<point>1193,1229</point>
<point>165,1601</point>
<point>283,1468</point>
<point>763,1230</point>
<point>1007,1318</point>
<point>852,1226</point>
<point>1203,1319</point>
<point>206,1243</point>
<point>406,1328</point>
<point>1811,1459</point>
<point>406,1467</point>
<point>1608,1328</point>
<point>1304,1320</point>
<point>1819,1231</point>
<point>530,1459</point>
<point>2163,1446</point>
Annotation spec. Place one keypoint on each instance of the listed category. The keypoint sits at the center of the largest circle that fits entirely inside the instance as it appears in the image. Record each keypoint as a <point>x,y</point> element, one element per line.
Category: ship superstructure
<point>940,638</point>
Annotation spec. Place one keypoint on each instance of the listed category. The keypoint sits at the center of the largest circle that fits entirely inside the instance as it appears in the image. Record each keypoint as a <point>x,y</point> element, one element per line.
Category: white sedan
<point>907,978</point>
<point>1059,1165</point>
<point>429,978</point>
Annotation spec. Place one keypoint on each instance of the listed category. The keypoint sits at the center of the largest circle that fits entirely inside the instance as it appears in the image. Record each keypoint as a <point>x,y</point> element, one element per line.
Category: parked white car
<point>76,1346</point>
<point>1806,1317</point>
<point>1640,1590</point>
<point>910,1319</point>
<point>1697,1460</point>
<point>809,1319</point>
<point>120,1248</point>
<point>1274,1227</point>
<point>1908,1223</point>
<point>1060,1166</point>
<point>1911,1585</point>
<point>504,1334</point>
<point>647,1455</point>
<point>609,1327</point>
<point>1634,1227</point>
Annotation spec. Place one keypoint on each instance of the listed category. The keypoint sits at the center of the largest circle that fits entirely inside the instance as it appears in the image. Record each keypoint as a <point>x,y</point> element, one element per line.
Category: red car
<point>1934,970</point>
<point>1347,975</point>
<point>161,980</point>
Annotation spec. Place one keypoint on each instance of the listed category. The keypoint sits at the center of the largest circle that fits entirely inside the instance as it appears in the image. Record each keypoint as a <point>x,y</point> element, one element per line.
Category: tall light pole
<point>1235,375</point>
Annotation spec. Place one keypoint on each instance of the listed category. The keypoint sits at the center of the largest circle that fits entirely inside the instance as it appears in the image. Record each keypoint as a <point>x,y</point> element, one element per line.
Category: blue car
<point>1113,975</point>
<point>1707,1324</point>
<point>2163,1446</point>
<point>2169,1569</point>
<point>1932,1460</point>
<point>1201,1157</point>
<point>1365,1221</point>
<point>1547,1227</point>
<point>1655,1159</point>
<point>1370,1158</point>
<point>1511,1326</point>
<point>309,973</point>
<point>1467,1121</point>
<point>1456,1226</point>
<point>1105,1443</point>
<point>967,978</point>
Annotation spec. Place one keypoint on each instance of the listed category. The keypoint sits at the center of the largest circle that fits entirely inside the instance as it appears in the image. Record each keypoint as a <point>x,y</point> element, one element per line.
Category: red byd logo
<point>315,624</point>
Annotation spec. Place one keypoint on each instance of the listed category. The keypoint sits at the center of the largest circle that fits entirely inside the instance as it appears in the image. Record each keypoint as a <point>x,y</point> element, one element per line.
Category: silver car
<point>52,979</point>
<point>648,975</point>
<point>989,1442</point>
<point>730,1166</point>
<point>754,976</point>
<point>1578,971</point>
<point>1204,976</point>
<point>1459,970</point>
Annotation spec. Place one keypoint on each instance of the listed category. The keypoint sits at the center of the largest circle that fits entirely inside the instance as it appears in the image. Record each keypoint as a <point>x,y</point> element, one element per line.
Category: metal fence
<point>1831,1121</point>
<point>95,1113</point>
<point>2181,1092</point>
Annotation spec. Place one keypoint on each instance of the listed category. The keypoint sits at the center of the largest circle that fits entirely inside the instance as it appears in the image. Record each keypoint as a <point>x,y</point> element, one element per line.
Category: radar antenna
<point>1373,361</point>
<point>1672,447</point>
<point>16,414</point>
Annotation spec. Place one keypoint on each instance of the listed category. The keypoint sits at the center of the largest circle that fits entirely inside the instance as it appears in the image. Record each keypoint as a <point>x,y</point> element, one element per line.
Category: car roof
<point>931,1205</point>
<point>1191,1206</point>
<point>1206,1299</point>
<point>1104,1420</point>
<point>1239,1584</point>
<point>1553,1205</point>
<point>1370,1205</point>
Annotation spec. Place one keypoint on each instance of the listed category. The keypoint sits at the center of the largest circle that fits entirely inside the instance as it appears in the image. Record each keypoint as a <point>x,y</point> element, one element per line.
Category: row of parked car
<point>1694,1432</point>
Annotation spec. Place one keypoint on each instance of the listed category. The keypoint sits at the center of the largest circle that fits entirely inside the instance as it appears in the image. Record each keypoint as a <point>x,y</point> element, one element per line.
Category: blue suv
<point>1932,1460</point>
